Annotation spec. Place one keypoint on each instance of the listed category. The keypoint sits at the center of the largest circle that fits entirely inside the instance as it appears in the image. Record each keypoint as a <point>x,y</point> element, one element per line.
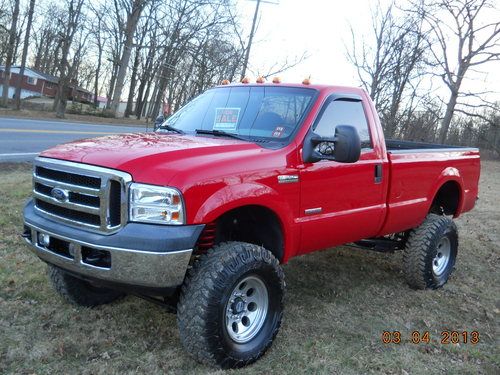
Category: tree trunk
<point>112,85</point>
<point>140,96</point>
<point>445,124</point>
<point>132,19</point>
<point>25,54</point>
<point>145,101</point>
<point>150,105</point>
<point>62,102</point>
<point>10,53</point>
<point>145,82</point>
<point>97,72</point>
<point>133,82</point>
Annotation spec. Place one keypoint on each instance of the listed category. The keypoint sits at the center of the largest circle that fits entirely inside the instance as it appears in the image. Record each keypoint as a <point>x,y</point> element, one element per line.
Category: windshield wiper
<point>171,128</point>
<point>221,133</point>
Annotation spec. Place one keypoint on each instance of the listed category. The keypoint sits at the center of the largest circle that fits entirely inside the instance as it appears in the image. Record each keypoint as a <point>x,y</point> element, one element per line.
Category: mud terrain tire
<point>231,305</point>
<point>430,253</point>
<point>80,292</point>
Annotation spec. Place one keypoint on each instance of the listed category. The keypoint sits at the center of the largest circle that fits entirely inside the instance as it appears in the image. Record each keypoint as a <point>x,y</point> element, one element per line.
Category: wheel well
<point>253,224</point>
<point>447,199</point>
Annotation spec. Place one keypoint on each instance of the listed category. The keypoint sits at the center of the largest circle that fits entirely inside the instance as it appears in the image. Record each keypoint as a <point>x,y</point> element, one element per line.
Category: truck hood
<point>152,157</point>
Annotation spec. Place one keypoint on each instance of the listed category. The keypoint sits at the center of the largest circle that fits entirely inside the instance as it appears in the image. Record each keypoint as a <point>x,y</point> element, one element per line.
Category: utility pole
<point>252,32</point>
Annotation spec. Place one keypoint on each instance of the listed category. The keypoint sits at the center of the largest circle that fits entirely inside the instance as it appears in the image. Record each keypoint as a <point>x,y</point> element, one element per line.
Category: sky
<point>322,28</point>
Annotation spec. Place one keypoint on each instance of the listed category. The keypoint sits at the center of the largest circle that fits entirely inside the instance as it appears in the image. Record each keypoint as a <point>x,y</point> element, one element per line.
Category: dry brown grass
<point>338,304</point>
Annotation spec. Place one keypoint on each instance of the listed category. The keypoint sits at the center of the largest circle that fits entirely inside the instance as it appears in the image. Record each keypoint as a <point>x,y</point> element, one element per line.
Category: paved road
<point>22,139</point>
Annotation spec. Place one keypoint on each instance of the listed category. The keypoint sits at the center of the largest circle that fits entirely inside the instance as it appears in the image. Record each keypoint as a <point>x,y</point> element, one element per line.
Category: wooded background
<point>171,50</point>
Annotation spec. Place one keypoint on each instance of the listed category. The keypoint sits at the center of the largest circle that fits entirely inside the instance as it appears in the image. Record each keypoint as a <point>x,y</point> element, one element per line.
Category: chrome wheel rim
<point>246,309</point>
<point>442,258</point>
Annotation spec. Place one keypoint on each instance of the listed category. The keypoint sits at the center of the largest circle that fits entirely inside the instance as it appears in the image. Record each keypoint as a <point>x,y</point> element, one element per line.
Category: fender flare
<point>448,174</point>
<point>245,194</point>
<point>235,196</point>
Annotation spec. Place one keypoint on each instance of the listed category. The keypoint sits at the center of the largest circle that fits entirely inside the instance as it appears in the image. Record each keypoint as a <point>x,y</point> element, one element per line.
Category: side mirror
<point>344,147</point>
<point>158,121</point>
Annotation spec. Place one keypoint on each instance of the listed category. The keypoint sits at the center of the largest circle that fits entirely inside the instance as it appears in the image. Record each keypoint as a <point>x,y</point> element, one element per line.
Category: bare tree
<point>143,35</point>
<point>25,55</point>
<point>46,39</point>
<point>69,26</point>
<point>5,19</point>
<point>475,43</point>
<point>98,42</point>
<point>134,10</point>
<point>10,53</point>
<point>389,64</point>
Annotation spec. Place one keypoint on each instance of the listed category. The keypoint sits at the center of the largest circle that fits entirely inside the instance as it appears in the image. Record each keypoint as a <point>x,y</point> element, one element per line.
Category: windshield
<point>253,113</point>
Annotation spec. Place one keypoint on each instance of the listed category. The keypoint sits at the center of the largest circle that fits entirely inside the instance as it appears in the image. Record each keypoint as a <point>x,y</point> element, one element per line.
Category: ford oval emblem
<point>59,194</point>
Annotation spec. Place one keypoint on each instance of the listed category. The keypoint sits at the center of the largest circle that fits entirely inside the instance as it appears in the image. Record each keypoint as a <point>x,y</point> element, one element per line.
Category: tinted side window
<point>343,112</point>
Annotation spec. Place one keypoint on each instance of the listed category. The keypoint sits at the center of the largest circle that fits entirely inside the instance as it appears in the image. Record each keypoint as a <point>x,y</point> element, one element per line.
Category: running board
<point>383,245</point>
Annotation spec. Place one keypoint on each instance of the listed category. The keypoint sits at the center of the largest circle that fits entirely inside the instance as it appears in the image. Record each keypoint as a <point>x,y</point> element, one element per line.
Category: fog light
<point>44,239</point>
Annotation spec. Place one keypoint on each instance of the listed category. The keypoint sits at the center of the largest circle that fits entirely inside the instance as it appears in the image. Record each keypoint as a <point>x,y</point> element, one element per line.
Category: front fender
<point>253,194</point>
<point>243,194</point>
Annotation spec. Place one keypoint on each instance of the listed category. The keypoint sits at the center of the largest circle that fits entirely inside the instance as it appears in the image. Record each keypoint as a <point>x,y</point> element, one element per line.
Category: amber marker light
<point>276,80</point>
<point>261,80</point>
<point>225,82</point>
<point>245,80</point>
<point>307,81</point>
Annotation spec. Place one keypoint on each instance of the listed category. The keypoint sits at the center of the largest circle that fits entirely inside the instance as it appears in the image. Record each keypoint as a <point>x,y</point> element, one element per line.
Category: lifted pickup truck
<point>202,212</point>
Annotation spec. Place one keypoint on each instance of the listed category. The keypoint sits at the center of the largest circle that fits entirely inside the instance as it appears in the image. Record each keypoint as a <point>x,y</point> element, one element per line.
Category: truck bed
<point>398,145</point>
<point>418,170</point>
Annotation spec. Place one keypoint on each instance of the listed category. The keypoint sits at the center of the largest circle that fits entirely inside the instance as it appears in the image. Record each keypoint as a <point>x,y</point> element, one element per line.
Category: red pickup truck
<point>200,214</point>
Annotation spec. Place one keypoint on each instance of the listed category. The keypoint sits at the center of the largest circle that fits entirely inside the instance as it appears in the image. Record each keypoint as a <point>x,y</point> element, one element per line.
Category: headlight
<point>156,204</point>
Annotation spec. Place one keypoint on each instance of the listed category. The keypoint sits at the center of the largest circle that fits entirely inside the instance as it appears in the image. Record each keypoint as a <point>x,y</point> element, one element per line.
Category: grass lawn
<point>338,304</point>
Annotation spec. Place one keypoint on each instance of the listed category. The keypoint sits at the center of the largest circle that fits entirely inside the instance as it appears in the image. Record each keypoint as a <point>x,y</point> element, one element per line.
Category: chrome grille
<point>91,197</point>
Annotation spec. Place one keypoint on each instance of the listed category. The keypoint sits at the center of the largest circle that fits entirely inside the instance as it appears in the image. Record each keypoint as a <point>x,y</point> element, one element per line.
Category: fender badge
<point>287,178</point>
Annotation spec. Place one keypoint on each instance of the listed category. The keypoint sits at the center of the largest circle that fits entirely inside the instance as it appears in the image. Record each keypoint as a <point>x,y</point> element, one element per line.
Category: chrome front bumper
<point>124,266</point>
<point>149,256</point>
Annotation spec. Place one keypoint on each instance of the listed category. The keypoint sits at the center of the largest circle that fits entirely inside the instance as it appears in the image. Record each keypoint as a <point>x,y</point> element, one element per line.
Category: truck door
<point>342,202</point>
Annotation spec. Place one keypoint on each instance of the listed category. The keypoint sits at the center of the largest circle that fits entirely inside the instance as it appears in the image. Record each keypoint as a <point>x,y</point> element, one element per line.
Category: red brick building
<point>36,84</point>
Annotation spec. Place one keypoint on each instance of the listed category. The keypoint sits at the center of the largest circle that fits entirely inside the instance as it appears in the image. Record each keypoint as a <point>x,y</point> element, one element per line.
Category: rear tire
<point>231,305</point>
<point>80,292</point>
<point>430,253</point>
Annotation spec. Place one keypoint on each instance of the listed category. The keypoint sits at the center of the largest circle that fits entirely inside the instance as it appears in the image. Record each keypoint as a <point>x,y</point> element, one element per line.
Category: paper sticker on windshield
<point>226,119</point>
<point>278,132</point>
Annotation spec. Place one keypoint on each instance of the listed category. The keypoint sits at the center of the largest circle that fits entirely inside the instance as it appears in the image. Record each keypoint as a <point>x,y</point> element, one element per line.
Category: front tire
<point>80,292</point>
<point>430,253</point>
<point>231,305</point>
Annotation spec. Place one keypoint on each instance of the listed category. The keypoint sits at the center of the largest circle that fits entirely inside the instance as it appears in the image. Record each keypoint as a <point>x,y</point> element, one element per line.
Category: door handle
<point>378,173</point>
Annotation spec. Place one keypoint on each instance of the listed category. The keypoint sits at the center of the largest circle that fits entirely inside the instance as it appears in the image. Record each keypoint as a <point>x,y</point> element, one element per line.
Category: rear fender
<point>448,174</point>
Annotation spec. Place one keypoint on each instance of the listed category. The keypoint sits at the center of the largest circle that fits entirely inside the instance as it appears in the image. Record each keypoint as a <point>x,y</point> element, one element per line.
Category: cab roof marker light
<point>276,80</point>
<point>245,80</point>
<point>225,82</point>
<point>260,79</point>
<point>307,81</point>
